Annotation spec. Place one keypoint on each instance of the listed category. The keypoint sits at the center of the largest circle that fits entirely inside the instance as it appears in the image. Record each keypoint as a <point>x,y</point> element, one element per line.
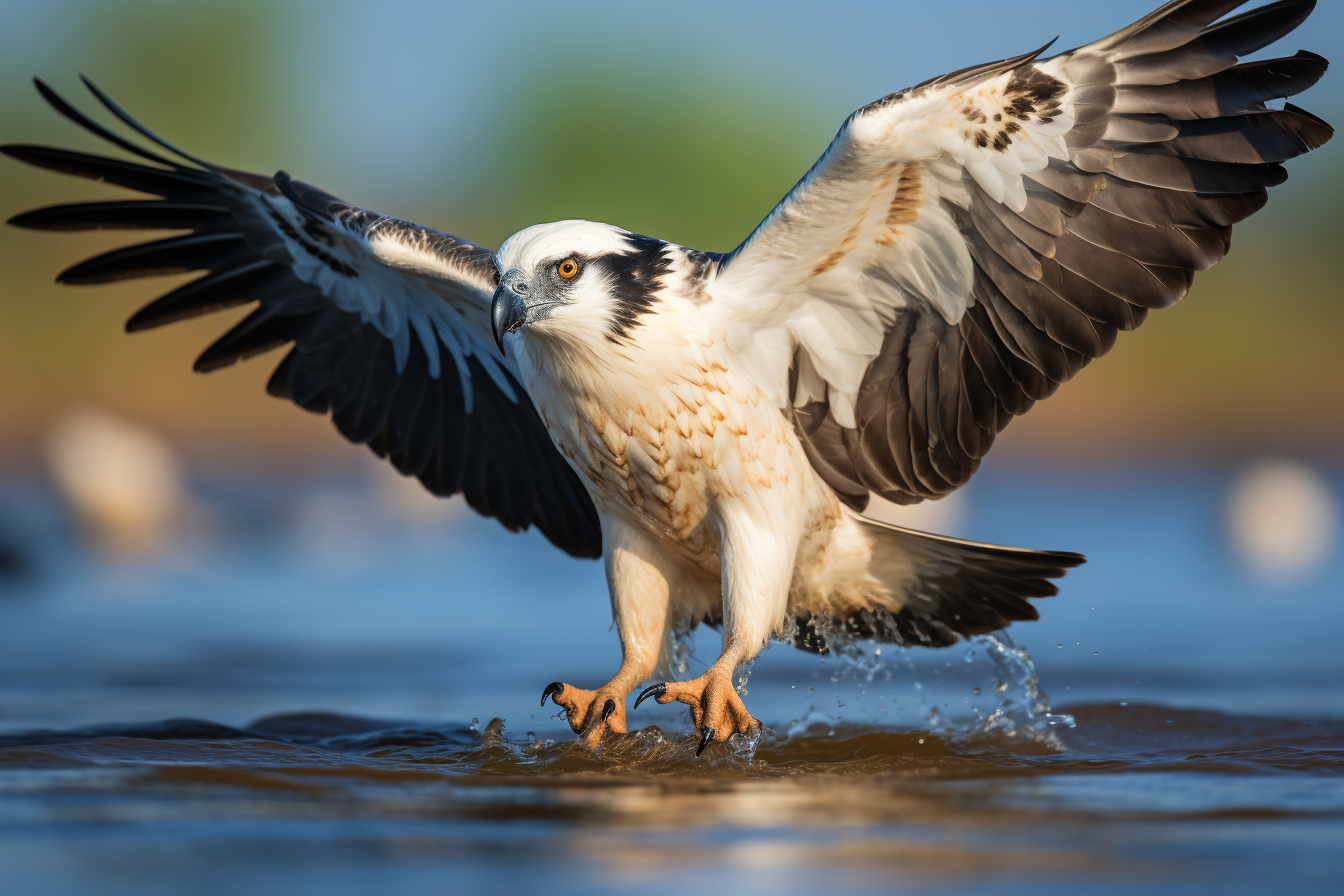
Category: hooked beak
<point>507,314</point>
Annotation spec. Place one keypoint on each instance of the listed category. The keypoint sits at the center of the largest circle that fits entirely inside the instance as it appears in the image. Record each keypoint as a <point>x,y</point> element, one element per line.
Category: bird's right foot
<point>590,714</point>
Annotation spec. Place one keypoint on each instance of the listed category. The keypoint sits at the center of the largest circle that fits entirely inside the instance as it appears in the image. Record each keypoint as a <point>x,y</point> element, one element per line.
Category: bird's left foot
<point>590,714</point>
<point>716,709</point>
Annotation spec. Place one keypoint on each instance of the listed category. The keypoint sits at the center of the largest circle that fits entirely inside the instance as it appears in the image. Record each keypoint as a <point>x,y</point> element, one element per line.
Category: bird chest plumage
<point>662,430</point>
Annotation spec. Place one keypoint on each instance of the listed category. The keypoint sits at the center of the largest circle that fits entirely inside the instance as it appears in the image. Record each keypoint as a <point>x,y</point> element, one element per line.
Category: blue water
<point>1207,752</point>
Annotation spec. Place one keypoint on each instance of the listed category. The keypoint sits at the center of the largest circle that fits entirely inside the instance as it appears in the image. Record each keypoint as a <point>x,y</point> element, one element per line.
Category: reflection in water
<point>864,802</point>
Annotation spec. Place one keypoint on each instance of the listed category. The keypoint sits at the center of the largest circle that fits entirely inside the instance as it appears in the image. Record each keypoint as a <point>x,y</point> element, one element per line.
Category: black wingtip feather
<point>175,255</point>
<point>57,102</point>
<point>1323,130</point>
<point>213,292</point>
<point>259,332</point>
<point>1256,28</point>
<point>150,214</point>
<point>183,183</point>
<point>126,118</point>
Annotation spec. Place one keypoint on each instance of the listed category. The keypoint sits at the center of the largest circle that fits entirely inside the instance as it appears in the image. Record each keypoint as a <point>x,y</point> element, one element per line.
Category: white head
<point>575,281</point>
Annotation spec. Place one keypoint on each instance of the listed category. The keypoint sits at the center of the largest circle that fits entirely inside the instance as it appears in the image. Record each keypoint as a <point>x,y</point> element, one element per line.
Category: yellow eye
<point>567,269</point>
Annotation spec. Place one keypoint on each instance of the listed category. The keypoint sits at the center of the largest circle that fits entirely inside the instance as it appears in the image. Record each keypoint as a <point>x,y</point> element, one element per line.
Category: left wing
<point>389,321</point>
<point>964,247</point>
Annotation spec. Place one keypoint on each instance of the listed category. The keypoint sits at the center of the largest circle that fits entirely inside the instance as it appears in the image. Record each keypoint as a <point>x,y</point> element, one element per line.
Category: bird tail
<point>903,586</point>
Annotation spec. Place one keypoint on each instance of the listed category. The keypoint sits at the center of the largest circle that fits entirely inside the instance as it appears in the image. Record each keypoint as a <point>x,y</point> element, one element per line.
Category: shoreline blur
<point>571,126</point>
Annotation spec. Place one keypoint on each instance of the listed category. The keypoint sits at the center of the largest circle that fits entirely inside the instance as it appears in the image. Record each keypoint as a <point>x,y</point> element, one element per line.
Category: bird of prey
<point>713,425</point>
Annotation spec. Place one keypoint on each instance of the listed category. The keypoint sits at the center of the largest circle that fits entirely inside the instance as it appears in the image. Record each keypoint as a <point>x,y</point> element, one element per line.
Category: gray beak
<point>507,313</point>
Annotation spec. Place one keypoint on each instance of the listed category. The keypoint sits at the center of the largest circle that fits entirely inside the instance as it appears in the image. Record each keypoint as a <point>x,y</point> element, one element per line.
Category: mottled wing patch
<point>905,203</point>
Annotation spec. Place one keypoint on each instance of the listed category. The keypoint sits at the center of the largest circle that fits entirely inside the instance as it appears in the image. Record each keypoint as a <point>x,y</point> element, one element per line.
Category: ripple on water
<point>880,801</point>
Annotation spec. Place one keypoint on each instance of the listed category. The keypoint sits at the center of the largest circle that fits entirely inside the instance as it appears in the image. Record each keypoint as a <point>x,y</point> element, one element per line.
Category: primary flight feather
<point>713,425</point>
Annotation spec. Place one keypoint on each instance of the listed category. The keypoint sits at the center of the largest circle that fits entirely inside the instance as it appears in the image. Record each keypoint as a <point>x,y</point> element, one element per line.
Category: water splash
<point>681,638</point>
<point>1024,709</point>
<point>1018,710</point>
<point>740,676</point>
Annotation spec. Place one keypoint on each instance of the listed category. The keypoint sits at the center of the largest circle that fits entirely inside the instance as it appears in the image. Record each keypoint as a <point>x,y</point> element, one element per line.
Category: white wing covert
<point>389,321</point>
<point>964,247</point>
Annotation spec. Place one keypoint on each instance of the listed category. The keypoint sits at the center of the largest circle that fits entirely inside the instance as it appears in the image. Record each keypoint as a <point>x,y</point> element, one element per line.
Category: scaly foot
<point>590,713</point>
<point>716,710</point>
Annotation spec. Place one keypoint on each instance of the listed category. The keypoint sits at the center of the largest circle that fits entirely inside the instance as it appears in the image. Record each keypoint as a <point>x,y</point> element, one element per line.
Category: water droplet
<point>975,691</point>
<point>1096,653</point>
<point>830,734</point>
<point>921,740</point>
<point>1060,646</point>
<point>810,688</point>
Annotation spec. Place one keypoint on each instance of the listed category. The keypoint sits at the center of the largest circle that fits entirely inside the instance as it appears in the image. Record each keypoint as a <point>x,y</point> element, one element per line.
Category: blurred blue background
<point>175,545</point>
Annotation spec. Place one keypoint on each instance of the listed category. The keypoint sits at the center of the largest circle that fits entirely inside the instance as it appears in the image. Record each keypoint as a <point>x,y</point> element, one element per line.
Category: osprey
<point>713,425</point>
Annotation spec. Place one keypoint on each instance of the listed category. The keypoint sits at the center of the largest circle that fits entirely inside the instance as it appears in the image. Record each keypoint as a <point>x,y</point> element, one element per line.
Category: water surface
<point>285,702</point>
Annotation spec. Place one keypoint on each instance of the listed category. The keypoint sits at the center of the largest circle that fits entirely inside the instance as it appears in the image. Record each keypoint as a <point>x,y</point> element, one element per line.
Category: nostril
<point>520,287</point>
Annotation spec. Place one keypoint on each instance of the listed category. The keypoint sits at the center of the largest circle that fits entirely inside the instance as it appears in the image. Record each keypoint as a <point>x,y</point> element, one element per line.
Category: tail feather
<point>937,590</point>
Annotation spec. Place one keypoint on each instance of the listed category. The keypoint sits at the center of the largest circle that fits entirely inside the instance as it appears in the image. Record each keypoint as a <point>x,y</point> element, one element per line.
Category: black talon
<point>656,690</point>
<point>704,740</point>
<point>552,689</point>
<point>608,708</point>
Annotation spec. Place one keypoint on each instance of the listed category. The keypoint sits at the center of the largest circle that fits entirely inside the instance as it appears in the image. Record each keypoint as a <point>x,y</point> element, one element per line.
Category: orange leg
<point>638,573</point>
<point>756,563</point>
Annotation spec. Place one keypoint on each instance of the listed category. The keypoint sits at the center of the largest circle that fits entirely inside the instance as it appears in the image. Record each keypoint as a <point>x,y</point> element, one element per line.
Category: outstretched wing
<point>389,321</point>
<point>966,246</point>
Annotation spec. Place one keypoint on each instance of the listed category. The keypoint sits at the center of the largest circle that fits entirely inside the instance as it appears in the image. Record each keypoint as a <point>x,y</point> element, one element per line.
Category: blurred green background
<point>685,121</point>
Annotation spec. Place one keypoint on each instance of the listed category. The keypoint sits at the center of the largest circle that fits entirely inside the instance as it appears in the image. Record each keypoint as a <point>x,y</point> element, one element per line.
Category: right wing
<point>390,321</point>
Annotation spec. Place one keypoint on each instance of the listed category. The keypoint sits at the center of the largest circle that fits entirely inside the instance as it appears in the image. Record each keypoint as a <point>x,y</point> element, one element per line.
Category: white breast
<point>663,431</point>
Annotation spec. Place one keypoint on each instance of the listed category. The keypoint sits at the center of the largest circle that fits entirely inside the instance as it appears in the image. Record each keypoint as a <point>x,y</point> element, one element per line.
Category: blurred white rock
<point>122,481</point>
<point>945,516</point>
<point>1282,520</point>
